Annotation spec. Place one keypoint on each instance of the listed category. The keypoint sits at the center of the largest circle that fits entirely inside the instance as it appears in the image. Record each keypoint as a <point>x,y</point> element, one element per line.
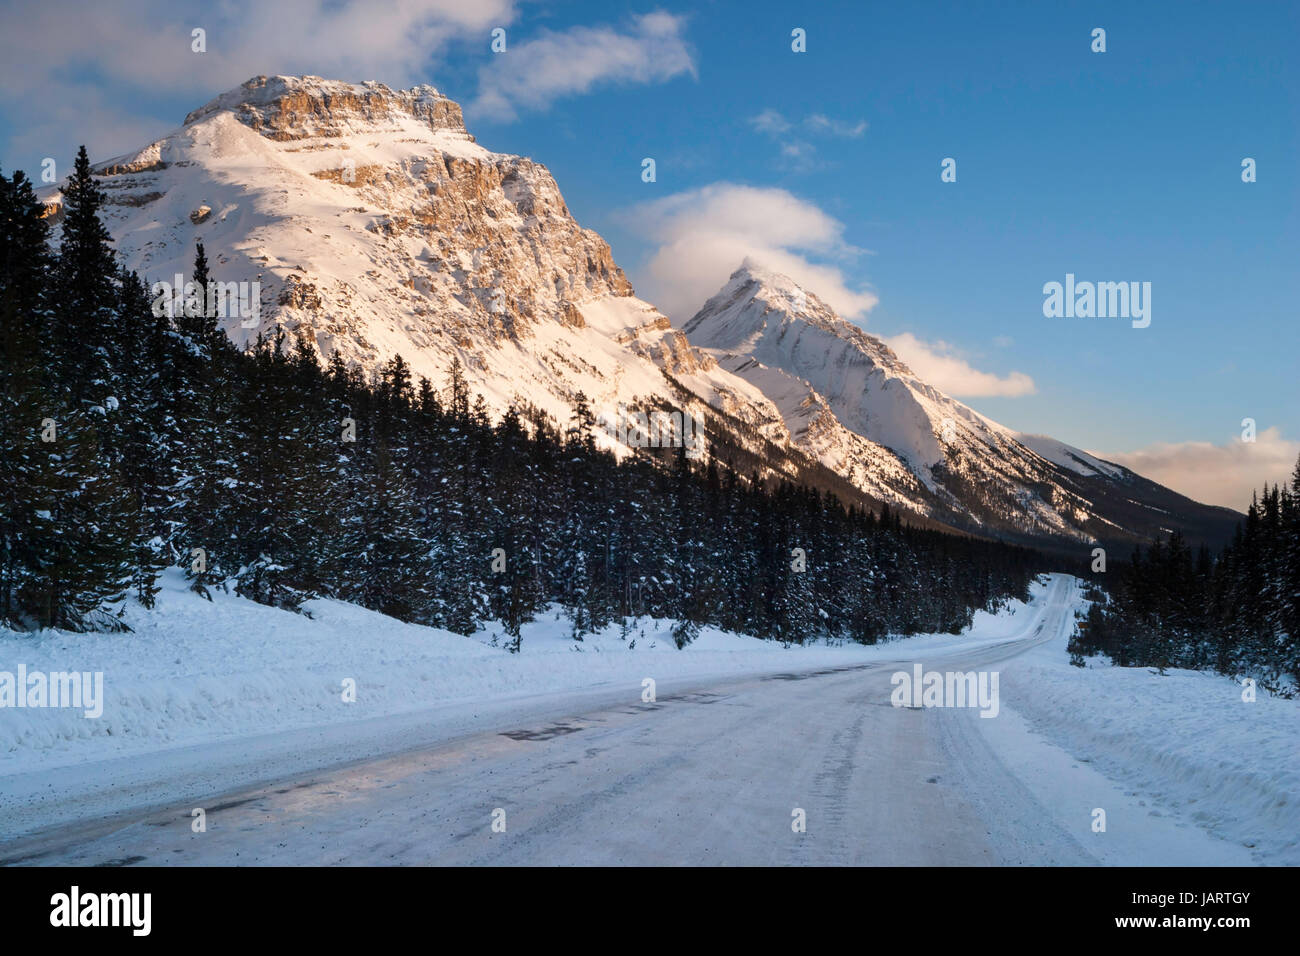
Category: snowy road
<point>710,775</point>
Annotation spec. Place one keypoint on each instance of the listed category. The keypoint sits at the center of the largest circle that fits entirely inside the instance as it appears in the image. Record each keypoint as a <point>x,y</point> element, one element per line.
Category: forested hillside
<point>133,441</point>
<point>1237,612</point>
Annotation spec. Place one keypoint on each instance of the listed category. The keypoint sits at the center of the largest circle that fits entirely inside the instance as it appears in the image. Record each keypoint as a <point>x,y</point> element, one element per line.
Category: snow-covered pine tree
<point>85,299</point>
<point>27,394</point>
<point>86,561</point>
<point>141,444</point>
<point>205,433</point>
<point>383,563</point>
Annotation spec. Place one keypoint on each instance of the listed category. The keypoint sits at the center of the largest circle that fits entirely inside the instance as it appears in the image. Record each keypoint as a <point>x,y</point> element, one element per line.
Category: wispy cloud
<point>823,124</point>
<point>540,70</point>
<point>793,135</point>
<point>940,364</point>
<point>774,123</point>
<point>799,155</point>
<point>1223,474</point>
<point>771,122</point>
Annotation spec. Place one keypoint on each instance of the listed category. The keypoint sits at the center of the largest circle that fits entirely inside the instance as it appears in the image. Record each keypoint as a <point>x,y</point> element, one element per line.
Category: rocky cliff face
<point>374,224</point>
<point>308,107</point>
<point>450,228</point>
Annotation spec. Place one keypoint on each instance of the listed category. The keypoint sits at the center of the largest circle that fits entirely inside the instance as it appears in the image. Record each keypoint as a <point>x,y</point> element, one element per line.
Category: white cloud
<point>824,124</point>
<point>797,153</point>
<point>136,48</point>
<point>705,234</point>
<point>539,71</point>
<point>1216,474</point>
<point>771,122</point>
<point>147,43</point>
<point>938,364</point>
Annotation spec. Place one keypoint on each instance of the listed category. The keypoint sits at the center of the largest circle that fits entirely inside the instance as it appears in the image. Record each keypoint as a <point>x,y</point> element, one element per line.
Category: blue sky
<point>1115,166</point>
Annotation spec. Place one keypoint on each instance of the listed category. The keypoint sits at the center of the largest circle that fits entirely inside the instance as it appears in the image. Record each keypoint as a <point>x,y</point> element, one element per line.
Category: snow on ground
<point>1184,742</point>
<point>194,671</point>
<point>248,691</point>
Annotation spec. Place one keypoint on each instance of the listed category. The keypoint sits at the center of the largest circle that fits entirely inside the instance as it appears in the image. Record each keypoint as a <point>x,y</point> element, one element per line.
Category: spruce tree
<point>27,395</point>
<point>86,295</point>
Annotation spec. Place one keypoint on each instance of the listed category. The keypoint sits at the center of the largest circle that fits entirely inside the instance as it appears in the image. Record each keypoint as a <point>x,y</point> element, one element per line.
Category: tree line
<point>135,441</point>
<point>1237,613</point>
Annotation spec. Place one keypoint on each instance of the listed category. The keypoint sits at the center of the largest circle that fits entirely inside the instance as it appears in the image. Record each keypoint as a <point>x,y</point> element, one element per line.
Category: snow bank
<point>1185,741</point>
<point>193,671</point>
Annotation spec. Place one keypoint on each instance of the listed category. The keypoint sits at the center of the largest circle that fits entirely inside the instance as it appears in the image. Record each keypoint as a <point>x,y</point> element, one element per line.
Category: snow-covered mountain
<point>374,223</point>
<point>850,402</point>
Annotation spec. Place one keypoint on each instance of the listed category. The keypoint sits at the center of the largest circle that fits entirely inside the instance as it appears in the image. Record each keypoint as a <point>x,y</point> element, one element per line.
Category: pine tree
<point>27,395</point>
<point>197,319</point>
<point>70,513</point>
<point>86,561</point>
<point>203,428</point>
<point>1289,577</point>
<point>86,295</point>
<point>383,564</point>
<point>141,426</point>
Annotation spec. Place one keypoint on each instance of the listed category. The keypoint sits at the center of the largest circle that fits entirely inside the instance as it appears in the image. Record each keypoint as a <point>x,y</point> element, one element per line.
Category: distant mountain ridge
<point>848,399</point>
<point>376,225</point>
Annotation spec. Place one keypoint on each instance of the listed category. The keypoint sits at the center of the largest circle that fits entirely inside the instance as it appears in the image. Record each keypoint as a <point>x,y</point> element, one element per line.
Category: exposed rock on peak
<point>375,225</point>
<point>303,107</point>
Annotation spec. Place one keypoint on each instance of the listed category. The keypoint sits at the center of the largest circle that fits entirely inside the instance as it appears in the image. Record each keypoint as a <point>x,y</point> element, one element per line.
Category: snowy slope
<point>193,671</point>
<point>1184,741</point>
<point>848,399</point>
<point>203,697</point>
<point>1075,459</point>
<point>375,224</point>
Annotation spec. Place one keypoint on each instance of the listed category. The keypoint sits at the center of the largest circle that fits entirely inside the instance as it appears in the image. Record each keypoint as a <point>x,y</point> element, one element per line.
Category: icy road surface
<point>707,774</point>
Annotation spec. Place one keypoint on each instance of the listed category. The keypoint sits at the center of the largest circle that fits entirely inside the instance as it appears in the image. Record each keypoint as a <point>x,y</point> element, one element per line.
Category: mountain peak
<point>756,302</point>
<point>850,402</point>
<point>764,281</point>
<point>372,225</point>
<point>369,223</point>
<point>750,268</point>
<point>298,107</point>
<point>752,284</point>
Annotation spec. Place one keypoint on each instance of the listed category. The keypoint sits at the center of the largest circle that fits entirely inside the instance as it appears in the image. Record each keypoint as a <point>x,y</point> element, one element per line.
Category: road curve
<point>716,775</point>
